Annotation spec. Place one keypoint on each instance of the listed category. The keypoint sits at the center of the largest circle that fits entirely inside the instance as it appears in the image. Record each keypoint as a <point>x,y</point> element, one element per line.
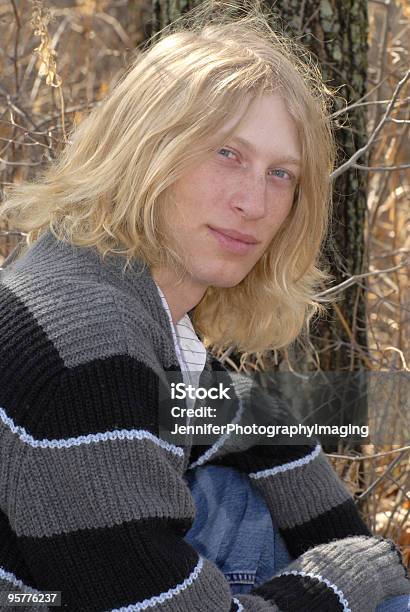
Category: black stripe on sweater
<point>105,568</point>
<point>52,401</point>
<point>11,559</point>
<point>299,594</point>
<point>339,522</point>
<point>118,392</point>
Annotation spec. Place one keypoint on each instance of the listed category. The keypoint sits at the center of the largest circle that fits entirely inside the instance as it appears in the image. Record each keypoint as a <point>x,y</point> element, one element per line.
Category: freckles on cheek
<point>283,201</point>
<point>211,194</point>
<point>279,212</point>
<point>277,217</point>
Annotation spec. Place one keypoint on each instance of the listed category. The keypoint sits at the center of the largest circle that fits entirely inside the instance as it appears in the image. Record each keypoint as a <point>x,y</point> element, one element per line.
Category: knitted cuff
<point>353,574</point>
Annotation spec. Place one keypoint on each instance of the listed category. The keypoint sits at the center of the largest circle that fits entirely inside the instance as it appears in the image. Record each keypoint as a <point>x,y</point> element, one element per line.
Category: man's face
<point>238,188</point>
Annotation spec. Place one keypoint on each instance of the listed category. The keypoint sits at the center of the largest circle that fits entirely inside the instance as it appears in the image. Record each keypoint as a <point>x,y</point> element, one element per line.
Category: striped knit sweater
<point>93,502</point>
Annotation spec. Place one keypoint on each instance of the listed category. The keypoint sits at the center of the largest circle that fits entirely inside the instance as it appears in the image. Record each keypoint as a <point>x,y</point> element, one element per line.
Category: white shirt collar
<point>190,350</point>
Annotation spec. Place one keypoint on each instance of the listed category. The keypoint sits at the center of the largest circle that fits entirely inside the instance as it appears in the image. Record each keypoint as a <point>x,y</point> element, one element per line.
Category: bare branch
<point>381,168</point>
<point>376,482</point>
<point>376,132</point>
<point>353,279</point>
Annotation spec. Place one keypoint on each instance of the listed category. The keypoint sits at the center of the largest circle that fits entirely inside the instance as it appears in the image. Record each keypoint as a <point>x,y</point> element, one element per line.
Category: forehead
<point>265,128</point>
<point>292,159</point>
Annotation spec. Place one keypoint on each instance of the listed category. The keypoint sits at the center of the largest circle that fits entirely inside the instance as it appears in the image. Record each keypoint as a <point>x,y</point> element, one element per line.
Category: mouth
<point>232,244</point>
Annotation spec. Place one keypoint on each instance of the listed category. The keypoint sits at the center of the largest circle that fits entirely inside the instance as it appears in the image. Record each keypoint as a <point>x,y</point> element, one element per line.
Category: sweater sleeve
<point>307,500</point>
<point>339,565</point>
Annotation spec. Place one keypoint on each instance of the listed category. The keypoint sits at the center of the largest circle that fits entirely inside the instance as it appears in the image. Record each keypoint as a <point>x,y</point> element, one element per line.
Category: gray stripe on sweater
<point>100,311</point>
<point>282,492</point>
<point>97,485</point>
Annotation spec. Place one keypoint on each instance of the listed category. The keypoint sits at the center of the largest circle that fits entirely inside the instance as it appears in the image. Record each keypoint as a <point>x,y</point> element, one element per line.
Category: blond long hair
<point>109,187</point>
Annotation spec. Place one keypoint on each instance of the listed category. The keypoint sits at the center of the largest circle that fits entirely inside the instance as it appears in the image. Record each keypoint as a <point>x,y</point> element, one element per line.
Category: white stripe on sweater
<point>291,465</point>
<point>10,577</point>
<point>116,434</point>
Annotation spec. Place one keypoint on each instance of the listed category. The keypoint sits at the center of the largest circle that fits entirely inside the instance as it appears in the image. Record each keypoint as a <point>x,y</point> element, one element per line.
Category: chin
<point>227,280</point>
<point>219,273</point>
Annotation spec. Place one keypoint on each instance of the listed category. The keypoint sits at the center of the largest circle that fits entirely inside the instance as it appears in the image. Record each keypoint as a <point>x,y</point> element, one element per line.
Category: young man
<point>209,162</point>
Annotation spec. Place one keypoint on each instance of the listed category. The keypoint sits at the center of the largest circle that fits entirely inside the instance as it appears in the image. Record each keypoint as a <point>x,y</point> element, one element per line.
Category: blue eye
<point>227,150</point>
<point>284,172</point>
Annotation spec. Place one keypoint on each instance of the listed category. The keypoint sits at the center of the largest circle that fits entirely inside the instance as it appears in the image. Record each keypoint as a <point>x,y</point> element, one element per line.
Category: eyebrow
<point>283,158</point>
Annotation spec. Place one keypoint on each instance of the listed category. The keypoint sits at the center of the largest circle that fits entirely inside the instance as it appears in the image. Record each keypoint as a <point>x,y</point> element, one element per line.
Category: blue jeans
<point>233,528</point>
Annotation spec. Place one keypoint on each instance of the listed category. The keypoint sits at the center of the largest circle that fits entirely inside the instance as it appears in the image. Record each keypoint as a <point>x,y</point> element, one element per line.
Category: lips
<point>246,238</point>
<point>232,245</point>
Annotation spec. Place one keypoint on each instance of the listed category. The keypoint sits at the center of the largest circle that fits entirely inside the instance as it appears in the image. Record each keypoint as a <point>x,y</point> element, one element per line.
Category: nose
<point>250,199</point>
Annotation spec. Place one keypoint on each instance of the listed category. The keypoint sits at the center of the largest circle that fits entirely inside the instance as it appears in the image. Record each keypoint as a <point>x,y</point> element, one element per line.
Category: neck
<point>182,297</point>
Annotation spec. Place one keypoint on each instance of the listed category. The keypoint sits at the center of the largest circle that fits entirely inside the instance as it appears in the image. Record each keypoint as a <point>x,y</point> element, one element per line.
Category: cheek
<point>279,210</point>
<point>280,205</point>
<point>210,187</point>
<point>201,189</point>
